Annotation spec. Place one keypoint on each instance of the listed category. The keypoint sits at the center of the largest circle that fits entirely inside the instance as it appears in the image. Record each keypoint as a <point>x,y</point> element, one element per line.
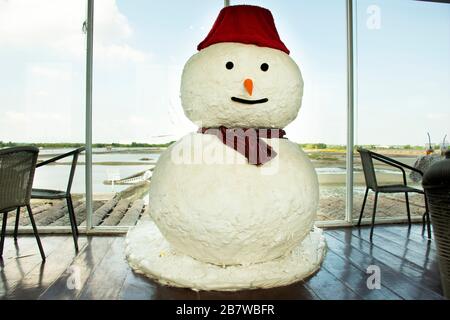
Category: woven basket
<point>439,204</point>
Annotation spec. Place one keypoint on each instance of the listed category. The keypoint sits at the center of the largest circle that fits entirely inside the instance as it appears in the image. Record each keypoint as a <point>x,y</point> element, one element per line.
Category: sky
<point>141,46</point>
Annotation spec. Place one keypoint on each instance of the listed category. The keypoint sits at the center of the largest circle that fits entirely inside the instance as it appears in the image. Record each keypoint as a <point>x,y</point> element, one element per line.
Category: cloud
<point>56,72</point>
<point>111,53</point>
<point>437,116</point>
<point>47,126</point>
<point>31,117</point>
<point>56,25</point>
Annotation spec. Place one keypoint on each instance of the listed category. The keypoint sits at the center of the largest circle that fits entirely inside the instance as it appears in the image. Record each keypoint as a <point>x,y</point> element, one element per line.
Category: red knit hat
<point>245,24</point>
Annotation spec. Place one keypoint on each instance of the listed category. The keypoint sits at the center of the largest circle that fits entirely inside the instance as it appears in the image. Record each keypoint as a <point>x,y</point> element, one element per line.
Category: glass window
<point>140,48</point>
<point>315,33</point>
<point>42,78</point>
<point>403,72</point>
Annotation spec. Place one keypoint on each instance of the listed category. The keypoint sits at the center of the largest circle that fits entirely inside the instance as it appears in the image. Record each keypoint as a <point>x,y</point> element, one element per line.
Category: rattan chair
<point>57,194</point>
<point>17,166</point>
<point>367,158</point>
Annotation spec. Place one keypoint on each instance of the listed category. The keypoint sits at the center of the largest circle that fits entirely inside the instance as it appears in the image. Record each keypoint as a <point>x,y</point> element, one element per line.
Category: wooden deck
<point>114,212</point>
<point>408,264</point>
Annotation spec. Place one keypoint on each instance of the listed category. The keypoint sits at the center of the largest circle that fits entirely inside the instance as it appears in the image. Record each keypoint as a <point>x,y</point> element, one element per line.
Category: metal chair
<point>17,167</point>
<point>371,183</point>
<point>56,194</point>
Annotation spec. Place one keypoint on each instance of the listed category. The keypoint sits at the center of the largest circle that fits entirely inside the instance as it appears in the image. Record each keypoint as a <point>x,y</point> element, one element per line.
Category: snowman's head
<point>243,76</point>
<point>241,85</point>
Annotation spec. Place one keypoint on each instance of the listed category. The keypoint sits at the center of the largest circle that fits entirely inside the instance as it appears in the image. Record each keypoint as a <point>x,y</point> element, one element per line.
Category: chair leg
<point>16,225</point>
<point>36,234</point>
<point>72,223</point>
<point>2,240</point>
<point>73,215</point>
<point>407,208</point>
<point>428,225</point>
<point>427,216</point>
<point>363,206</point>
<point>373,215</point>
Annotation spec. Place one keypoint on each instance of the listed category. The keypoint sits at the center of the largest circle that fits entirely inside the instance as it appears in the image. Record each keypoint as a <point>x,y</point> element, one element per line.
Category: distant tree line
<point>322,146</point>
<point>401,147</point>
<point>318,146</point>
<point>58,145</point>
<point>310,146</point>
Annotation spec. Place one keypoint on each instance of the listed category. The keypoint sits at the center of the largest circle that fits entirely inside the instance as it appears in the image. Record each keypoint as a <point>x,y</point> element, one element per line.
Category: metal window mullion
<point>88,137</point>
<point>350,113</point>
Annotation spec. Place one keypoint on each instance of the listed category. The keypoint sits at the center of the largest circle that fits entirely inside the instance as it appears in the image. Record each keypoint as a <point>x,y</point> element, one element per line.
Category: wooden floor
<point>408,264</point>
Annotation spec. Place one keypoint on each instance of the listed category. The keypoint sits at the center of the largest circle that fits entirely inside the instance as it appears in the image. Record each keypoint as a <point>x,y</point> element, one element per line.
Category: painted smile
<point>249,101</point>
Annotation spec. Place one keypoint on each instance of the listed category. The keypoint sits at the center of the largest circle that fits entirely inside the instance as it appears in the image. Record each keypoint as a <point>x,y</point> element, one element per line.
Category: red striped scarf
<point>248,142</point>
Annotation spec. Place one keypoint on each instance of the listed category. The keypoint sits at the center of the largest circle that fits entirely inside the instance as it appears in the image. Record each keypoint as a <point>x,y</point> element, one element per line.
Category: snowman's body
<point>206,199</point>
<point>222,210</point>
<point>219,220</point>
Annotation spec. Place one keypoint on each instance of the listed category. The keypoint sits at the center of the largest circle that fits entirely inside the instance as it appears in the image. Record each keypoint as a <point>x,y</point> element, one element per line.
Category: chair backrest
<point>17,166</point>
<point>368,168</point>
<point>76,153</point>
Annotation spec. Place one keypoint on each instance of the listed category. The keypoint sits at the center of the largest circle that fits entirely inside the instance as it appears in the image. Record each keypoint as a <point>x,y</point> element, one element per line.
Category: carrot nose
<point>248,84</point>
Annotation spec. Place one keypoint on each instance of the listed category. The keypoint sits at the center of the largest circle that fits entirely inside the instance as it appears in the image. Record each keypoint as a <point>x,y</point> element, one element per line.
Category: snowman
<point>232,206</point>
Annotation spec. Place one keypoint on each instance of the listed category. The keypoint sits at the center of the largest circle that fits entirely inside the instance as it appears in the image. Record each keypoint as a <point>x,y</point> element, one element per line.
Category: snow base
<point>149,253</point>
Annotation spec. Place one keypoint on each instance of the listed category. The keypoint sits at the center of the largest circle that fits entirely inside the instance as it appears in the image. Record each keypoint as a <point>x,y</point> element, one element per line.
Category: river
<point>123,162</point>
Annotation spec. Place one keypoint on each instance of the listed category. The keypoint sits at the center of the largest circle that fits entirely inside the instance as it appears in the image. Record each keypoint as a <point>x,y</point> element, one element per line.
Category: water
<point>121,163</point>
<point>331,170</point>
<point>56,176</point>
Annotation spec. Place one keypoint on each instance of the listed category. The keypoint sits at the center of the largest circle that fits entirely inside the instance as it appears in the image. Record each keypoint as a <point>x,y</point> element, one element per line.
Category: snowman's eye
<point>229,65</point>
<point>264,67</point>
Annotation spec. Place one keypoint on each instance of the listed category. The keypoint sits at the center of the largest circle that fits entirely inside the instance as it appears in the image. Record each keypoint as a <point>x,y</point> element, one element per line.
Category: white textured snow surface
<point>233,214</point>
<point>150,254</point>
<point>217,222</point>
<point>207,87</point>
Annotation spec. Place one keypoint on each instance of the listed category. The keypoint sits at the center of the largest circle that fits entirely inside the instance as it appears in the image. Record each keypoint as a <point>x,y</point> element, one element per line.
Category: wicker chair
<point>17,166</point>
<point>372,184</point>
<point>56,194</point>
